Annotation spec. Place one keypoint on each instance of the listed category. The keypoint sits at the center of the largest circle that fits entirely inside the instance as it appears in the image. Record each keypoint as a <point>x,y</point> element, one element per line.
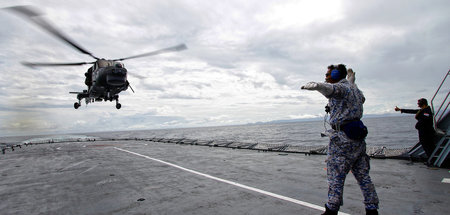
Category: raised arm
<point>351,76</point>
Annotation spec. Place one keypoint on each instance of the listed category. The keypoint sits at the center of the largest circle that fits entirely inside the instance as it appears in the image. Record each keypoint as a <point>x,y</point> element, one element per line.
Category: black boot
<point>371,212</point>
<point>329,211</point>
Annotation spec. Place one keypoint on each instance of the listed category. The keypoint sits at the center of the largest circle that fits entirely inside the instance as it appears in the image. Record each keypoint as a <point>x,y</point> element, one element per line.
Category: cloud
<point>245,63</point>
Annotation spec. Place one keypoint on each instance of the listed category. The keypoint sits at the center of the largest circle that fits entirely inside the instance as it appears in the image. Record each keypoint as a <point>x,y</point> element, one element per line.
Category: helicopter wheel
<point>76,105</point>
<point>118,105</point>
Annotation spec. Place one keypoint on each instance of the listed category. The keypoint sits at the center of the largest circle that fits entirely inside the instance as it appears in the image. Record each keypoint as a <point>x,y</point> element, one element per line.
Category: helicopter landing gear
<point>118,105</point>
<point>76,105</point>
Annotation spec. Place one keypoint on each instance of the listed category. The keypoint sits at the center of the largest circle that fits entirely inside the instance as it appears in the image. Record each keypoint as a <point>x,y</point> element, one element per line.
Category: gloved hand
<point>310,86</point>
<point>324,88</point>
<point>351,76</point>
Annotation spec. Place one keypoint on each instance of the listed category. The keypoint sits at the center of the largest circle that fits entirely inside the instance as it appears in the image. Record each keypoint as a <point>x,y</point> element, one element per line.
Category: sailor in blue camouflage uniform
<point>347,147</point>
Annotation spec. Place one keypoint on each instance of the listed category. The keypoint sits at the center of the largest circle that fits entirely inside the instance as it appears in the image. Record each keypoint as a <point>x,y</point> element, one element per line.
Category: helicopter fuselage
<point>105,80</point>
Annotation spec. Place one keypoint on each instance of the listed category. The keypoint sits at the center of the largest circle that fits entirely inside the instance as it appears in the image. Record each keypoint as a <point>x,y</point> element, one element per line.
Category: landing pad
<point>144,177</point>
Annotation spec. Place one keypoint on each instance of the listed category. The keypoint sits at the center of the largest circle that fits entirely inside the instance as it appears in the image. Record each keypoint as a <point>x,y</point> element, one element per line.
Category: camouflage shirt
<point>346,102</point>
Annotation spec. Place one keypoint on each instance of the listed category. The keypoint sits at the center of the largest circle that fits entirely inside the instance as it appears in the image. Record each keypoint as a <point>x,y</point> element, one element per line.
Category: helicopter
<point>105,79</point>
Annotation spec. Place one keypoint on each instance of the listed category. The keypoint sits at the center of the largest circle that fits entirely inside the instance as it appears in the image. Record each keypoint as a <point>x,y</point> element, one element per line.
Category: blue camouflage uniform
<point>344,154</point>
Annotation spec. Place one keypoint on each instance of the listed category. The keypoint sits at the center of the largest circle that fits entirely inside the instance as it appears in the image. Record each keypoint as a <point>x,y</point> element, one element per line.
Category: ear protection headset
<point>335,74</point>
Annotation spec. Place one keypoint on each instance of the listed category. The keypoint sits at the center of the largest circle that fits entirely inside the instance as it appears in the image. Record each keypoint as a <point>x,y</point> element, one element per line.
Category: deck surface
<point>142,177</point>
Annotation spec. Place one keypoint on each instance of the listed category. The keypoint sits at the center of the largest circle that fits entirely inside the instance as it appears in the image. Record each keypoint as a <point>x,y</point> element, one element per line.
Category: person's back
<point>346,102</point>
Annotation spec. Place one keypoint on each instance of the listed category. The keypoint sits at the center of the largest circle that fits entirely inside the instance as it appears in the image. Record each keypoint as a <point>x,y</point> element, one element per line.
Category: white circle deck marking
<point>299,202</point>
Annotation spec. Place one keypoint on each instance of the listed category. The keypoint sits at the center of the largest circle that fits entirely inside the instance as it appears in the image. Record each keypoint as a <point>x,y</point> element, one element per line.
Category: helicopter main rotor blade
<point>37,18</point>
<point>54,64</point>
<point>179,47</point>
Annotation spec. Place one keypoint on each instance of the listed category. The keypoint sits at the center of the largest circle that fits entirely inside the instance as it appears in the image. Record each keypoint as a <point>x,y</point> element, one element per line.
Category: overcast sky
<point>245,63</point>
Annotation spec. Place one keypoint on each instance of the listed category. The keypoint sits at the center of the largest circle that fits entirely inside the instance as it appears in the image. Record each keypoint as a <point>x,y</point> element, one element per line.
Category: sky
<point>245,62</point>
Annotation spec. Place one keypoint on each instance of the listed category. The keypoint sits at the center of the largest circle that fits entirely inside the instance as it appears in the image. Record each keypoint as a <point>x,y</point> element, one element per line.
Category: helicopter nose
<point>119,71</point>
<point>118,77</point>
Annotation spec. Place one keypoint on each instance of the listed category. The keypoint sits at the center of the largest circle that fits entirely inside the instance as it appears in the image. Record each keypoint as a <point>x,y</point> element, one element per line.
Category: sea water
<point>391,132</point>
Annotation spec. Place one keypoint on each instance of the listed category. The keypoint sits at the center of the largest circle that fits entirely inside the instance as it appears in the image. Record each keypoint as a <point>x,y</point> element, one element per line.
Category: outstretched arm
<point>412,111</point>
<point>324,88</point>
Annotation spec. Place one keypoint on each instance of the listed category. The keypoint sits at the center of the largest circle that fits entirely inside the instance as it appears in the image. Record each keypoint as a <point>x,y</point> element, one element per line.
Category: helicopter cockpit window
<point>119,65</point>
<point>104,63</point>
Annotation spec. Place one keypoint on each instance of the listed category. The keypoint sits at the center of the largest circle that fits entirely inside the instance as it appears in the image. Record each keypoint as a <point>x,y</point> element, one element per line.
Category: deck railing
<point>440,112</point>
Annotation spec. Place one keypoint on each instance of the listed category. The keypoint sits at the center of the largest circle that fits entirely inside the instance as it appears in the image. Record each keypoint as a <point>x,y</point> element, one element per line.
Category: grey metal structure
<point>440,155</point>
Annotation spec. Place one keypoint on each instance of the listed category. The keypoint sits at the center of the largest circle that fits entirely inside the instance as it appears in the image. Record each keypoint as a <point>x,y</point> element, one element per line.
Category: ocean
<point>392,132</point>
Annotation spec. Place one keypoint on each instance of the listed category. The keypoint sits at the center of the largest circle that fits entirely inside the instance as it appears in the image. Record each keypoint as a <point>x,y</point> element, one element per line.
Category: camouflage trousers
<point>345,155</point>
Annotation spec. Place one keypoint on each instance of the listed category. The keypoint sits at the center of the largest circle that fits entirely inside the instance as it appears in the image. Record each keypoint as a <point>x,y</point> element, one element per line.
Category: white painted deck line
<point>299,202</point>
